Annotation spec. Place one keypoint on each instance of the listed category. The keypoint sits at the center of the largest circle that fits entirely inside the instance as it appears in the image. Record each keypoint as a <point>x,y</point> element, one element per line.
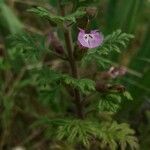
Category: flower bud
<point>102,86</point>
<point>91,11</point>
<point>55,43</point>
<point>79,51</point>
<point>120,88</point>
<point>117,71</point>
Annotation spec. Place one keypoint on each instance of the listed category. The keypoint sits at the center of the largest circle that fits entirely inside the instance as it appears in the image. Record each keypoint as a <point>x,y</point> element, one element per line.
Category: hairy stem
<point>74,72</point>
<point>73,65</point>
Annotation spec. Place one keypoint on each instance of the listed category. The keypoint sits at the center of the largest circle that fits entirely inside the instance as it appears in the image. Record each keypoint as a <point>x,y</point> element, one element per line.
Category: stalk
<point>73,65</point>
<point>74,72</point>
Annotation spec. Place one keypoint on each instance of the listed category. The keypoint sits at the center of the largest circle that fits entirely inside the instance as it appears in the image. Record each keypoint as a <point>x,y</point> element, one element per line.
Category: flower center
<point>88,37</point>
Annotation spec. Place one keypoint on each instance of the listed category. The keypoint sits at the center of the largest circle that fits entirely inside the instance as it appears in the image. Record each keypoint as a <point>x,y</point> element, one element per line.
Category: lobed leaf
<point>112,42</point>
<point>110,134</point>
<point>58,20</point>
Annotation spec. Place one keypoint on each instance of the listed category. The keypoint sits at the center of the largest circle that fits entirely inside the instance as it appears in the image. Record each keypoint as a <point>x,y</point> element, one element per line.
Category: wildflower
<point>118,87</point>
<point>90,40</point>
<point>117,71</point>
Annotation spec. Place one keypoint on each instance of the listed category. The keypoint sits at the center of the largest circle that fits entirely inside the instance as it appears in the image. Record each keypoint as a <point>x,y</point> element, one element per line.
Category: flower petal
<point>91,40</point>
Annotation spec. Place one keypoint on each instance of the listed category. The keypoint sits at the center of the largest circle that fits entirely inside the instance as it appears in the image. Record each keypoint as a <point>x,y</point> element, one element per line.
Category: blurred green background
<point>131,16</point>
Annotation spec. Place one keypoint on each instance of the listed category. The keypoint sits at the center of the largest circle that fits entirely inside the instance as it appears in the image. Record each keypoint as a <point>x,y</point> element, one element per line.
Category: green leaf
<point>113,42</point>
<point>13,23</point>
<point>109,103</point>
<point>85,85</point>
<point>43,13</point>
<point>105,105</point>
<point>75,131</point>
<point>30,47</point>
<point>46,76</point>
<point>77,14</point>
<point>114,135</point>
<point>126,136</point>
<point>127,95</point>
<point>72,130</point>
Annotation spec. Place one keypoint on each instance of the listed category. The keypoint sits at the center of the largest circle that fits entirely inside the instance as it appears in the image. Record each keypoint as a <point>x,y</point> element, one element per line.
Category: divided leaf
<point>115,135</point>
<point>72,17</point>
<point>46,76</point>
<point>105,134</point>
<point>110,103</point>
<point>45,14</point>
<point>85,85</point>
<point>31,47</point>
<point>127,95</point>
<point>57,20</point>
<point>112,42</point>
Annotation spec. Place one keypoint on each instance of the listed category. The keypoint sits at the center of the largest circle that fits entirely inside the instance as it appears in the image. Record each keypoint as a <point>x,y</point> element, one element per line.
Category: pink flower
<point>117,71</point>
<point>90,40</point>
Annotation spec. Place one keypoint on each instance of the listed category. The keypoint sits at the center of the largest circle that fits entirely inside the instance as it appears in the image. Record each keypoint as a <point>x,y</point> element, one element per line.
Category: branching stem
<point>73,65</point>
<point>74,72</point>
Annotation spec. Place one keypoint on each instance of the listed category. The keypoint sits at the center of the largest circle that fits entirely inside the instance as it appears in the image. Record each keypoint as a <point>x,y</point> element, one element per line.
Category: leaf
<point>109,103</point>
<point>126,137</point>
<point>6,115</point>
<point>50,97</point>
<point>13,23</point>
<point>75,131</point>
<point>113,42</point>
<point>77,14</point>
<point>114,133</point>
<point>105,105</point>
<point>46,76</point>
<point>127,95</point>
<point>85,85</point>
<point>43,13</point>
<point>30,47</point>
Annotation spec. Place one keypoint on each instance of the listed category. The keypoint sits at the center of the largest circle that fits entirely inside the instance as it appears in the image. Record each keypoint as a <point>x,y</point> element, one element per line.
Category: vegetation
<point>56,94</point>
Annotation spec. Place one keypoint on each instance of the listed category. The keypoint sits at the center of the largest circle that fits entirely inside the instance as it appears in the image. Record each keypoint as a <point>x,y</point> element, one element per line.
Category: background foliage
<point>36,109</point>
